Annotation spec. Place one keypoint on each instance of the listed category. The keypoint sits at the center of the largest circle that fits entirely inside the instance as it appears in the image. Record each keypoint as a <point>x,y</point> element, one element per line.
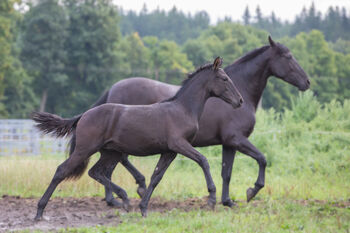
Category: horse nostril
<point>308,82</point>
<point>240,100</point>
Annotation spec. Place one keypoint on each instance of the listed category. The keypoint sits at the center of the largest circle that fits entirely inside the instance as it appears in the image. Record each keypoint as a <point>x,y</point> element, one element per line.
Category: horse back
<point>140,91</point>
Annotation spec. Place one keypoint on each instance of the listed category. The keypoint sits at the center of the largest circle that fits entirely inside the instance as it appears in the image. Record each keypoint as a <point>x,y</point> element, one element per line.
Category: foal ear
<point>217,63</point>
<point>272,43</point>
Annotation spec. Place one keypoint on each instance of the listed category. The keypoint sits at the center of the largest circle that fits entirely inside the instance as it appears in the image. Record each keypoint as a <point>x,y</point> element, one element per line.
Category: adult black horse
<point>219,124</point>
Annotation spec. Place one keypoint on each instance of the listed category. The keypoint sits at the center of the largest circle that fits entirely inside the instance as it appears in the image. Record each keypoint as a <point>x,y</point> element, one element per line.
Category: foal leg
<point>140,179</point>
<point>162,165</point>
<point>97,173</point>
<point>110,166</point>
<point>185,148</point>
<point>245,147</point>
<point>63,171</point>
<point>228,156</point>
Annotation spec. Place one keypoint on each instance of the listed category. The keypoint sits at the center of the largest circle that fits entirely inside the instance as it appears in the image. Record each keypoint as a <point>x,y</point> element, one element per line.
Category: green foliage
<point>228,40</point>
<point>169,63</point>
<point>173,25</point>
<point>6,15</point>
<point>335,23</point>
<point>43,53</point>
<point>93,36</point>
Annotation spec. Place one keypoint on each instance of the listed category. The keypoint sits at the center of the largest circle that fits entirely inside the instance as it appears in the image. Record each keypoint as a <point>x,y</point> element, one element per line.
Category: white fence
<point>20,137</point>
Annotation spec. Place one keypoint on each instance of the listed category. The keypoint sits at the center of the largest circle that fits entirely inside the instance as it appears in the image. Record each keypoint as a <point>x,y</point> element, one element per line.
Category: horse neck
<point>194,96</point>
<point>251,77</point>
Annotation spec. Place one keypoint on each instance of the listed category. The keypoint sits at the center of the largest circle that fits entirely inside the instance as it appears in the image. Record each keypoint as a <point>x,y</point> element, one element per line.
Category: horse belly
<point>140,135</point>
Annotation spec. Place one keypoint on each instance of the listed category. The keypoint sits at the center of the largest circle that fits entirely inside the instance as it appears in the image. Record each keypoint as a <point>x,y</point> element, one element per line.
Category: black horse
<point>167,128</point>
<point>219,124</point>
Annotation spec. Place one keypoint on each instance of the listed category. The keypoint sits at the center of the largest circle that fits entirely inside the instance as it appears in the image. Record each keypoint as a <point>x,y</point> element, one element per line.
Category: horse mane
<point>252,54</point>
<point>186,82</point>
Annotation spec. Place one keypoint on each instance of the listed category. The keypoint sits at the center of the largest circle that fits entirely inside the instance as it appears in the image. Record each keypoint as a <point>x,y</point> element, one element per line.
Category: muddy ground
<point>17,213</point>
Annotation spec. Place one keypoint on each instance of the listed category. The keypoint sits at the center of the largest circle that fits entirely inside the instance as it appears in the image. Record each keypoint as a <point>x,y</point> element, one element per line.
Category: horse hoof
<point>114,203</point>
<point>228,203</point>
<point>211,203</point>
<point>250,194</point>
<point>141,191</point>
<point>38,218</point>
<point>126,206</point>
<point>144,213</point>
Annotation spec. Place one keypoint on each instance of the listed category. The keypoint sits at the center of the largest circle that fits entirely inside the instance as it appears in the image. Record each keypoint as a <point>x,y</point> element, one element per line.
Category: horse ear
<point>217,63</point>
<point>272,43</point>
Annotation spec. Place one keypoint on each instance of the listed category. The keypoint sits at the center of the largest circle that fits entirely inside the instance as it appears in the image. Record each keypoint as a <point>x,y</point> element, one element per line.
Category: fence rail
<point>20,137</point>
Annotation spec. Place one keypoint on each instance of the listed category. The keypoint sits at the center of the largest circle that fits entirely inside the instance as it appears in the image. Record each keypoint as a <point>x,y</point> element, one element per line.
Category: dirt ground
<point>17,213</point>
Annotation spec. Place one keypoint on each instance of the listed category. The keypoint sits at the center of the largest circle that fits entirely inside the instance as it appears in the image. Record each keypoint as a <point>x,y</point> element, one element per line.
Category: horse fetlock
<point>212,189</point>
<point>228,202</point>
<point>141,191</point>
<point>259,185</point>
<point>141,181</point>
<point>114,203</point>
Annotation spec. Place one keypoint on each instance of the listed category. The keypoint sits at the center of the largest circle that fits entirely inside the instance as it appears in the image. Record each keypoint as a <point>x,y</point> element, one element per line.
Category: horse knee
<point>262,161</point>
<point>226,177</point>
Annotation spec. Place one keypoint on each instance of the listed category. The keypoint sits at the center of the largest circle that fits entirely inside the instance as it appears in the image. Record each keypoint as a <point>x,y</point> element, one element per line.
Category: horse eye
<point>225,79</point>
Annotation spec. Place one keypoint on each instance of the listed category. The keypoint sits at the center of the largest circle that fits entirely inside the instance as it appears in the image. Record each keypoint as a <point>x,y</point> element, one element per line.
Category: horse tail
<point>80,169</point>
<point>56,125</point>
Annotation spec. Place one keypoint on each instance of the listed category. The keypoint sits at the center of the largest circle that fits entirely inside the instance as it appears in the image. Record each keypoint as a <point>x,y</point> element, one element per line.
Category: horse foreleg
<point>162,165</point>
<point>185,148</point>
<point>245,147</point>
<point>228,156</point>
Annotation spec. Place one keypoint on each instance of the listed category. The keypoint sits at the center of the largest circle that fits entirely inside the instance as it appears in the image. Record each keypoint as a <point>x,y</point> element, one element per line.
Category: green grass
<point>266,216</point>
<point>307,149</point>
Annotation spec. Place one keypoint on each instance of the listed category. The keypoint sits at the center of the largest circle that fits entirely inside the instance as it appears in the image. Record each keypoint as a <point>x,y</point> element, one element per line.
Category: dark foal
<point>226,126</point>
<point>165,128</point>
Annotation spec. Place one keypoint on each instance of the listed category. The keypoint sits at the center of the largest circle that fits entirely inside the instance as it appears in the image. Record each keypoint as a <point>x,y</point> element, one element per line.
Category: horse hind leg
<point>97,172</point>
<point>63,171</point>
<point>109,168</point>
<point>140,179</point>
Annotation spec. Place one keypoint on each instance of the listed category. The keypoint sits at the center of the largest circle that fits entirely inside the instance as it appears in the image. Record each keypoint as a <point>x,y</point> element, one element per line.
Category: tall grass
<point>307,149</point>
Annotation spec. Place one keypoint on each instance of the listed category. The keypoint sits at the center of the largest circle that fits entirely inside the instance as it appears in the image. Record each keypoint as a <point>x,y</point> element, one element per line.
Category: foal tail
<point>56,125</point>
<point>60,127</point>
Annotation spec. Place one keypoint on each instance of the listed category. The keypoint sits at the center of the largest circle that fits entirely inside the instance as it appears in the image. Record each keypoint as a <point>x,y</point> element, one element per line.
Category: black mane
<point>185,82</point>
<point>252,54</point>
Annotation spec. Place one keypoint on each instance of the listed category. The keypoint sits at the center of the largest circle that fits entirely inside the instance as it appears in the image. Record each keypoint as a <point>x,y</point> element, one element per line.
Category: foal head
<point>284,66</point>
<point>220,85</point>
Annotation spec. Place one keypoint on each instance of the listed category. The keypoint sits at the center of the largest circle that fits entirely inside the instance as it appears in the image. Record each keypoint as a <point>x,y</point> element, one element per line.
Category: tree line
<point>59,56</point>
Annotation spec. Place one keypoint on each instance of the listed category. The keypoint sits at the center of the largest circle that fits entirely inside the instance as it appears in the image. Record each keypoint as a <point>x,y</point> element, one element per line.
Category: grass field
<point>307,150</point>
